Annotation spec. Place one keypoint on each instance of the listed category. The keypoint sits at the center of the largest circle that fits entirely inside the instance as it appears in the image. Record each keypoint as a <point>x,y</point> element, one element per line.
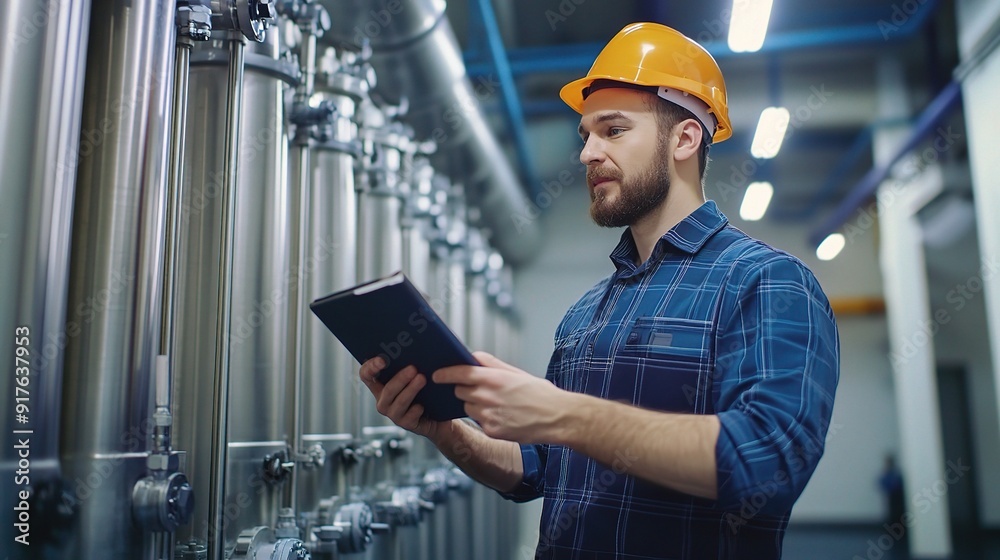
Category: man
<point>687,400</point>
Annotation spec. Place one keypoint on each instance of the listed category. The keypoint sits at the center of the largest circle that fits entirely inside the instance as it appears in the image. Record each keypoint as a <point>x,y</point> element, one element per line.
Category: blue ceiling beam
<point>577,58</point>
<point>936,110</point>
<point>508,88</point>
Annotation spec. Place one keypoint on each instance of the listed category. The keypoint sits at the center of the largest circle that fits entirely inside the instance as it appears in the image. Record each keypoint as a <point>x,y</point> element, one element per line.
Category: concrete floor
<point>818,542</point>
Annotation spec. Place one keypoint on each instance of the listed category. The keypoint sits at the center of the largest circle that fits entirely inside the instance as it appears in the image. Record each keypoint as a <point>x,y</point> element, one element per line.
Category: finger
<point>459,375</point>
<point>370,369</point>
<point>489,360</point>
<point>404,400</point>
<point>411,420</point>
<point>468,393</point>
<point>392,388</point>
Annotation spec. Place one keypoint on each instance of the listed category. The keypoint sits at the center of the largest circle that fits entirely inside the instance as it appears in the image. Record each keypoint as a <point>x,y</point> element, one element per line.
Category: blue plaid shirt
<point>714,322</point>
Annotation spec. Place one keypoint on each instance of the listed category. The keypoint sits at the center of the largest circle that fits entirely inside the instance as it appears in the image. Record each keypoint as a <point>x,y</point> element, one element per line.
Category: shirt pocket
<point>664,363</point>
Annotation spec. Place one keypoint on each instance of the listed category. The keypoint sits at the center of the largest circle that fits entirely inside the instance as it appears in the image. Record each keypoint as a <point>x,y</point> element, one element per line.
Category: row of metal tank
<point>182,178</point>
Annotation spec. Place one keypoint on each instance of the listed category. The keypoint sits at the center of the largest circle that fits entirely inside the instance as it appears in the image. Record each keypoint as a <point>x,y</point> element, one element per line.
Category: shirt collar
<point>688,236</point>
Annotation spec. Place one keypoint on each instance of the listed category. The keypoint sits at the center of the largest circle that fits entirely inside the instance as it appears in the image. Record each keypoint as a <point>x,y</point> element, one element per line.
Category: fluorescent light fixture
<point>748,25</point>
<point>830,247</point>
<point>771,129</point>
<point>755,201</point>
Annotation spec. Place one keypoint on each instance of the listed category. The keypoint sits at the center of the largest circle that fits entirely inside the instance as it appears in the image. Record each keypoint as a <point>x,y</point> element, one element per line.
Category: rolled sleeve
<point>533,483</point>
<point>777,369</point>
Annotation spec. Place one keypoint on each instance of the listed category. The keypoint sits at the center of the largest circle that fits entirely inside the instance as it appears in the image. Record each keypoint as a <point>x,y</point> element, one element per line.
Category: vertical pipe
<point>301,167</point>
<point>182,67</point>
<point>220,411</point>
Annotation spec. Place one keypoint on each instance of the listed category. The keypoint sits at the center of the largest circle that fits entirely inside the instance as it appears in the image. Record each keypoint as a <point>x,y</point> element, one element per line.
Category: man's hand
<point>394,399</point>
<point>507,402</point>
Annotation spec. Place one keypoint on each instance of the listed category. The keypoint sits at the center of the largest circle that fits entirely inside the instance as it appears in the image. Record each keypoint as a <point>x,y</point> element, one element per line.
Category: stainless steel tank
<point>331,415</point>
<point>115,277</point>
<point>261,291</point>
<point>419,63</point>
<point>41,94</point>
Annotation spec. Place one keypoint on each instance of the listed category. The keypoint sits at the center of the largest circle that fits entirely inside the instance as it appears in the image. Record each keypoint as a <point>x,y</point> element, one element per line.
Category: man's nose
<point>593,151</point>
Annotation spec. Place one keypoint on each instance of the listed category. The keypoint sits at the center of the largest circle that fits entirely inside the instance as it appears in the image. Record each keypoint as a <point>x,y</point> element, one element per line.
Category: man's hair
<point>669,114</point>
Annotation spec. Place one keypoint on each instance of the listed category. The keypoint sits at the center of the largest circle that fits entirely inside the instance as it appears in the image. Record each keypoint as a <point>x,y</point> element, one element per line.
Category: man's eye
<point>615,131</point>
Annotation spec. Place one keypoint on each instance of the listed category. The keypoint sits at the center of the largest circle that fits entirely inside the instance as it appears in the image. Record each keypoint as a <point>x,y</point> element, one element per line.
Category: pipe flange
<point>192,550</point>
<point>289,549</point>
<point>355,523</point>
<point>250,542</point>
<point>254,16</point>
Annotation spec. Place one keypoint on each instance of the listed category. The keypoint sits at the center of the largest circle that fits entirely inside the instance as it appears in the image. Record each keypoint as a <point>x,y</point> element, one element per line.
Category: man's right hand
<point>394,399</point>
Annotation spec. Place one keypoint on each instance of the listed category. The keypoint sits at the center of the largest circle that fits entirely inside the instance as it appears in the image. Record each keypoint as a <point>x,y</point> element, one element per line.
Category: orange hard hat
<point>650,54</point>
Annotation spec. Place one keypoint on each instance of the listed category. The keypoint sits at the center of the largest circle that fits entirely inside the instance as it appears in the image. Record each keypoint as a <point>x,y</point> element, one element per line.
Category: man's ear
<point>688,136</point>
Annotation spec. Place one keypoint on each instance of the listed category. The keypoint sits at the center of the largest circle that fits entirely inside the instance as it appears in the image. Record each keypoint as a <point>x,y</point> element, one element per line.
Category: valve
<point>351,530</point>
<point>161,504</point>
<point>434,486</point>
<point>260,543</point>
<point>286,526</point>
<point>458,481</point>
<point>405,507</point>
<point>277,467</point>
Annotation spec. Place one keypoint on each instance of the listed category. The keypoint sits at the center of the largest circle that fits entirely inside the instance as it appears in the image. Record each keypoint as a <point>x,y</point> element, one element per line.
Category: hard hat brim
<point>572,95</point>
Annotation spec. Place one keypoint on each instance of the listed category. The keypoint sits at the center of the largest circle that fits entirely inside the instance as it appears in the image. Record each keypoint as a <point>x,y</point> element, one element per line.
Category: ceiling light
<point>748,25</point>
<point>755,201</point>
<point>770,133</point>
<point>830,247</point>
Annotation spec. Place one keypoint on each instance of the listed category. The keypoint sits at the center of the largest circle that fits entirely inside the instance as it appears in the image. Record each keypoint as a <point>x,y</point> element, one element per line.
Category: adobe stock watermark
<point>136,438</point>
<point>960,296</point>
<point>32,24</point>
<point>922,502</point>
<point>741,175</point>
<point>377,21</point>
<point>543,199</point>
<point>902,12</point>
<point>458,111</point>
<point>567,517</point>
<point>944,140</point>
<point>803,457</point>
<point>81,316</point>
<point>562,13</point>
<point>91,139</point>
<point>244,325</point>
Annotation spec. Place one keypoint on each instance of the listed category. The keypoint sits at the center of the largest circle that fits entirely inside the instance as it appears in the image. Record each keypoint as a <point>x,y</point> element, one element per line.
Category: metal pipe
<point>418,62</point>
<point>182,64</point>
<point>220,411</point>
<point>301,166</point>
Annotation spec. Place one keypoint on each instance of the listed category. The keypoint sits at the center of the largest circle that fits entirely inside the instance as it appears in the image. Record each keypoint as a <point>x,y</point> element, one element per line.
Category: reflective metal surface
<point>417,59</point>
<point>116,276</point>
<point>260,297</point>
<point>41,89</point>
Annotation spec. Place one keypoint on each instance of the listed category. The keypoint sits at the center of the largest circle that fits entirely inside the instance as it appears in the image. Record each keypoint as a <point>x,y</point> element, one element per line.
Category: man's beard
<point>637,197</point>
